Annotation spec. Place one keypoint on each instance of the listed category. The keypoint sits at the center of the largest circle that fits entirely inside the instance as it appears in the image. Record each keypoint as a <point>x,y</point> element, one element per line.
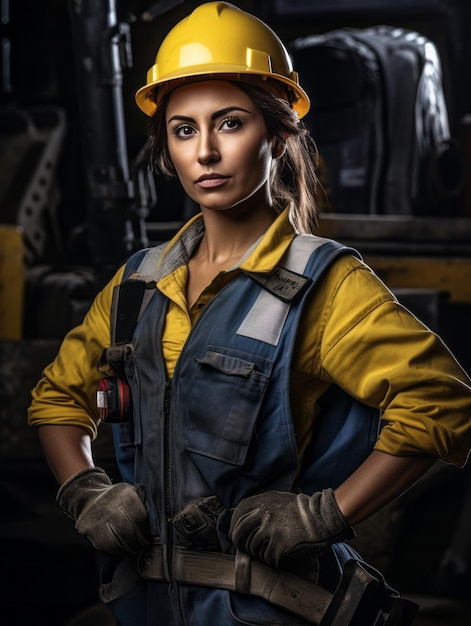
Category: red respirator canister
<point>113,399</point>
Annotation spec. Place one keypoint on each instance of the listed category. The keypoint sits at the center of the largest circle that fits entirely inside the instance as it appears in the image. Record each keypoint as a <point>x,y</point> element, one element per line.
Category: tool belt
<point>238,573</point>
<point>360,597</point>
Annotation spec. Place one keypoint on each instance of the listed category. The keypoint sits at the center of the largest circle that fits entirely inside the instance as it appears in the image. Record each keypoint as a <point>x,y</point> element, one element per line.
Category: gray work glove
<point>112,516</point>
<point>288,530</point>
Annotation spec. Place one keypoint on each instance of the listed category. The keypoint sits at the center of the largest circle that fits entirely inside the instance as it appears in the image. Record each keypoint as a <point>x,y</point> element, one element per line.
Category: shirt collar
<point>263,256</point>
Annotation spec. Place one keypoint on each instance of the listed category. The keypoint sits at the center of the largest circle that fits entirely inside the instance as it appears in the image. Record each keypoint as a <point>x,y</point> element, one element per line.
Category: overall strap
<point>285,284</point>
<point>131,297</point>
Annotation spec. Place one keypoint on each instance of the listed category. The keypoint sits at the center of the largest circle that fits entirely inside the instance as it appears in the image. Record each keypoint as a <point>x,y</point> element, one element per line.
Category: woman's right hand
<point>112,516</point>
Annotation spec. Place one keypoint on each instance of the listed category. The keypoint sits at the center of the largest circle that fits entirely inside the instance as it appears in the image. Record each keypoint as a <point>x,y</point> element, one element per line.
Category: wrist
<point>74,492</point>
<point>345,506</point>
<point>337,521</point>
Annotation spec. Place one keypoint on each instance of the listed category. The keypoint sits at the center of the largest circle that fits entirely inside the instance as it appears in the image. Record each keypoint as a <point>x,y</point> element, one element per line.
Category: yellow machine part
<point>11,282</point>
<point>450,275</point>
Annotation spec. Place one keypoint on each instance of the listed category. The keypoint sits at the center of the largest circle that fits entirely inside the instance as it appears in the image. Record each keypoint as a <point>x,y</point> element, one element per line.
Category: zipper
<point>167,475</point>
<point>167,482</point>
<point>167,479</point>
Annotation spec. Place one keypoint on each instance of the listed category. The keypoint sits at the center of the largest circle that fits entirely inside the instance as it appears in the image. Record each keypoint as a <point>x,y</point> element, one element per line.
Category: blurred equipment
<point>101,44</point>
<point>380,121</point>
<point>31,141</point>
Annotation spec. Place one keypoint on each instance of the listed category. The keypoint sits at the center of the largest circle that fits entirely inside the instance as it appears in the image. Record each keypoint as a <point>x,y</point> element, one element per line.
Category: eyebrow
<point>214,116</point>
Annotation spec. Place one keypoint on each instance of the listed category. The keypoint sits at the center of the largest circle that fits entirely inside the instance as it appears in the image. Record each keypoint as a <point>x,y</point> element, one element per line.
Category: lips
<point>211,180</point>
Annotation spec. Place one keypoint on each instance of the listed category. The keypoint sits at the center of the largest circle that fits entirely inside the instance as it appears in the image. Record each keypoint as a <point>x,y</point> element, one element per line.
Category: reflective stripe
<point>148,266</point>
<point>266,318</point>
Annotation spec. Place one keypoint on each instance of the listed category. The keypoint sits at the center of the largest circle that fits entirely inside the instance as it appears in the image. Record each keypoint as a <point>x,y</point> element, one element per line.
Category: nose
<point>208,150</point>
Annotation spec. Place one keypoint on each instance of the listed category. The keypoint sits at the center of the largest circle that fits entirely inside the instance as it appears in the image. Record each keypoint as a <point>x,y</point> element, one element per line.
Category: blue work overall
<point>223,426</point>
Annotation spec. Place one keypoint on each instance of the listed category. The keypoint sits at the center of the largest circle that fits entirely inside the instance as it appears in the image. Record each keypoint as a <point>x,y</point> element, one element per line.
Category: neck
<point>228,237</point>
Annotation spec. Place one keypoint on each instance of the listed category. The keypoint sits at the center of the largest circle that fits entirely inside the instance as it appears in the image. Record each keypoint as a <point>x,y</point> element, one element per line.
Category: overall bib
<point>223,427</point>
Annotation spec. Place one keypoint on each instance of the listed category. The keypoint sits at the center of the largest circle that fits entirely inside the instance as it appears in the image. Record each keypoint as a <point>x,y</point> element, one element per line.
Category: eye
<point>183,130</point>
<point>231,123</point>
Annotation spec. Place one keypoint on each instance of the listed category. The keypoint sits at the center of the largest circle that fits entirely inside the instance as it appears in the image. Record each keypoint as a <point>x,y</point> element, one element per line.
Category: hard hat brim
<point>148,104</point>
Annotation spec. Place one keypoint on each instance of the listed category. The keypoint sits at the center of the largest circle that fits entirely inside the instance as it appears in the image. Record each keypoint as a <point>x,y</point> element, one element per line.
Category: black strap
<point>128,298</point>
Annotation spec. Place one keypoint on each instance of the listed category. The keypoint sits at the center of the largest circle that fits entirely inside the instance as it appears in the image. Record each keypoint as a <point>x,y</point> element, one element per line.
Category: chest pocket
<point>224,402</point>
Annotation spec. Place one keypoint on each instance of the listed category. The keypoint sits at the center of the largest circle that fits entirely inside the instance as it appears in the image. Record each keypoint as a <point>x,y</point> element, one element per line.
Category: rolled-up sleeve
<point>383,355</point>
<point>66,392</point>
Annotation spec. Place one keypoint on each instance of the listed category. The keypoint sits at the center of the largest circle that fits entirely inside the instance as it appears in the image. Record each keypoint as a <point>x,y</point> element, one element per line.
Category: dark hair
<point>293,178</point>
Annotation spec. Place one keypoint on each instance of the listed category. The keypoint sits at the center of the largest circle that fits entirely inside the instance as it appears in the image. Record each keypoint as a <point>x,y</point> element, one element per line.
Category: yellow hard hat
<point>218,38</point>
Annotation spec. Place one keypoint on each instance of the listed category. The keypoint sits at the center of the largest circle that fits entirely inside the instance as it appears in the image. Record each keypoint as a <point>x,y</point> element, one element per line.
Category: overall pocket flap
<point>224,403</point>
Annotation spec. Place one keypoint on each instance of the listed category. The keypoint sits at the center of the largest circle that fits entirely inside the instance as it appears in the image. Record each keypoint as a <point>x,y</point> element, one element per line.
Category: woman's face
<point>219,146</point>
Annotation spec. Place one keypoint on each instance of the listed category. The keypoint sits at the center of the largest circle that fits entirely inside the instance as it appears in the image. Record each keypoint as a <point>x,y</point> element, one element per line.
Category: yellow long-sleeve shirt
<point>353,332</point>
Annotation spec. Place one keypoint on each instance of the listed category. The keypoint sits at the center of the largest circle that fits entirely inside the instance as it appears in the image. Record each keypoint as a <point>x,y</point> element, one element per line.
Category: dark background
<point>71,244</point>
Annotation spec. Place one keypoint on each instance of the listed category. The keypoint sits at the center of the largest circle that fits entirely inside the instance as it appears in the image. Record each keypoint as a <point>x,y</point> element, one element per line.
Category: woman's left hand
<point>280,528</point>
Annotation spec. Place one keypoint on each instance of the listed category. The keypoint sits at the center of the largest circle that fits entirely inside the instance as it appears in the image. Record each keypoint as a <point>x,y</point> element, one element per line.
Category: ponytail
<point>293,178</point>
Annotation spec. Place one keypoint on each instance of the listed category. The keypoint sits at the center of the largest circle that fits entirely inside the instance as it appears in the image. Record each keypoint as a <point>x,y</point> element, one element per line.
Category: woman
<point>245,322</point>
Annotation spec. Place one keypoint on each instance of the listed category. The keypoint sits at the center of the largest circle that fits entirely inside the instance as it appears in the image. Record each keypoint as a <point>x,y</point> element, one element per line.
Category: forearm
<point>67,450</point>
<point>378,481</point>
